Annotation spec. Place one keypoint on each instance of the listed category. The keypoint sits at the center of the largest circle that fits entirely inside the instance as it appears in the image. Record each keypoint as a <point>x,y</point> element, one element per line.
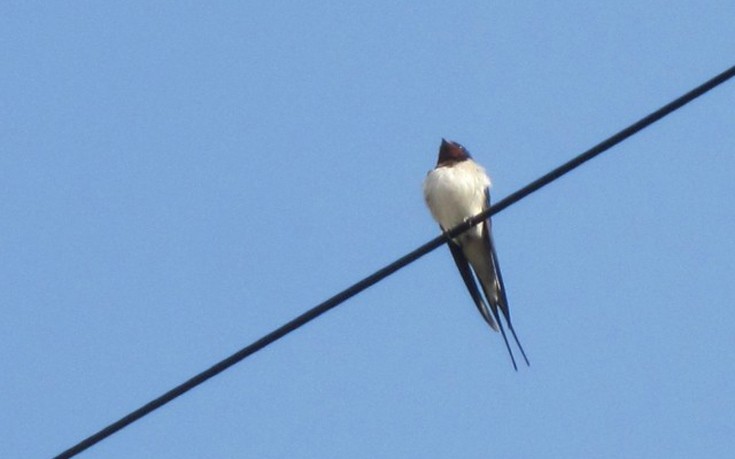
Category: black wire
<point>395,266</point>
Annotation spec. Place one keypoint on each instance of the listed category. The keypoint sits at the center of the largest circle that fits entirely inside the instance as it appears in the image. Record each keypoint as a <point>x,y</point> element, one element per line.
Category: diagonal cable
<point>396,265</point>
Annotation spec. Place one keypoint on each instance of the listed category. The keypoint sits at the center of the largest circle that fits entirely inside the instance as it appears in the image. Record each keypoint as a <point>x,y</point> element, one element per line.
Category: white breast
<point>455,193</point>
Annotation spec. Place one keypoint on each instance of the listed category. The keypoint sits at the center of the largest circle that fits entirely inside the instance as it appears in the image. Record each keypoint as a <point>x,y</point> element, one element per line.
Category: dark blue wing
<point>469,280</point>
<point>502,298</point>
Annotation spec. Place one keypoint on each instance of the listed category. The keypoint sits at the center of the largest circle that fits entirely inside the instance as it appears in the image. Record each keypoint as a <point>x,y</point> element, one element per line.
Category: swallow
<point>455,190</point>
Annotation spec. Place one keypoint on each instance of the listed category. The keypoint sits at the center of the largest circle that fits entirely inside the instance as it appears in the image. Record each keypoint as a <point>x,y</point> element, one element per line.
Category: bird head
<point>452,152</point>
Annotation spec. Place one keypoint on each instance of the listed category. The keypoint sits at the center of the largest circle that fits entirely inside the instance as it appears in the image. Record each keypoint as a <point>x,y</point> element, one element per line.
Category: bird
<point>457,189</point>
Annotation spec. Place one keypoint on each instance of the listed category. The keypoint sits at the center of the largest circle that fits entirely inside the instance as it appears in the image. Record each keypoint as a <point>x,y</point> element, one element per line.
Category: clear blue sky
<point>179,178</point>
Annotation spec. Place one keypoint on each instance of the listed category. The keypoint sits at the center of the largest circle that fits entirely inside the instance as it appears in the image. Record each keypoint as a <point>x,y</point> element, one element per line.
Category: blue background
<point>179,178</point>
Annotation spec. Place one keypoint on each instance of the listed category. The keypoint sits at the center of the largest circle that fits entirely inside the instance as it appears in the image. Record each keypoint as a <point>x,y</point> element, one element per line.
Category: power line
<point>395,266</point>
